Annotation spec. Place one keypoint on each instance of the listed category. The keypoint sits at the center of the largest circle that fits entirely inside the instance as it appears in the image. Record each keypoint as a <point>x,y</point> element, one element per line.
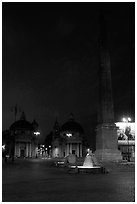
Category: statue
<point>90,160</point>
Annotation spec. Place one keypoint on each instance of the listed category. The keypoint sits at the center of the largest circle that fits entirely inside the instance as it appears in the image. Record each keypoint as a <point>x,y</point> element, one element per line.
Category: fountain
<point>90,164</point>
<point>88,161</point>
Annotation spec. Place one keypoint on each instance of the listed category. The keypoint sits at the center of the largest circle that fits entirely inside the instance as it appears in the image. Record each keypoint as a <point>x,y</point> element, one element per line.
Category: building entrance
<point>73,151</point>
<point>22,153</point>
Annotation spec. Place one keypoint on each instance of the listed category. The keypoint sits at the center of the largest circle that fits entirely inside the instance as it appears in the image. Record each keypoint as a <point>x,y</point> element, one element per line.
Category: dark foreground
<point>37,180</point>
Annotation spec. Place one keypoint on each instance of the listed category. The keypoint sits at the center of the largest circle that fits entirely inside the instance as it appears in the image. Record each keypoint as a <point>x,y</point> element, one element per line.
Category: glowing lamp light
<point>129,119</point>
<point>36,133</point>
<point>49,146</point>
<point>124,120</point>
<point>69,135</point>
<point>3,147</point>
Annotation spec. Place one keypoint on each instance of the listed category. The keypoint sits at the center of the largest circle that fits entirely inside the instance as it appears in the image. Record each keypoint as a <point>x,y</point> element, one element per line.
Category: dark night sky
<point>50,61</point>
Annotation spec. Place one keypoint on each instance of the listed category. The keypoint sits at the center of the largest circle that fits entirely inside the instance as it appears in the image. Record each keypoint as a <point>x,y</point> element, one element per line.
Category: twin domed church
<point>66,139</point>
<point>21,140</point>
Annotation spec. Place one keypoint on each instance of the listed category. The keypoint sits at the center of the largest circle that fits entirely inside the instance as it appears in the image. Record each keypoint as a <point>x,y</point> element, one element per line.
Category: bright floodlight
<point>36,133</point>
<point>3,147</point>
<point>69,135</point>
<point>124,120</point>
<point>129,119</point>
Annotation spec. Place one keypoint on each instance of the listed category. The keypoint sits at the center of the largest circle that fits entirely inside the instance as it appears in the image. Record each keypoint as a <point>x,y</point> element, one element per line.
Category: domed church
<point>24,141</point>
<point>67,139</point>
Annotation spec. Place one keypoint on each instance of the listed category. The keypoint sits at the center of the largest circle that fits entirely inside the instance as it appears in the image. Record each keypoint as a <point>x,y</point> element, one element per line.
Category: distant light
<point>124,120</point>
<point>36,133</point>
<point>43,146</point>
<point>3,147</point>
<point>129,119</point>
<point>49,146</point>
<point>69,135</point>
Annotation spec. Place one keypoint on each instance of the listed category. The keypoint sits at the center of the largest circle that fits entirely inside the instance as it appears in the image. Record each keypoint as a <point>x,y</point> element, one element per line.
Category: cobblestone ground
<point>36,180</point>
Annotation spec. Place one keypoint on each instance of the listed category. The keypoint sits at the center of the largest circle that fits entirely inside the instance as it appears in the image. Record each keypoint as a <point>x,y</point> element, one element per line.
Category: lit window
<point>69,135</point>
<point>36,133</point>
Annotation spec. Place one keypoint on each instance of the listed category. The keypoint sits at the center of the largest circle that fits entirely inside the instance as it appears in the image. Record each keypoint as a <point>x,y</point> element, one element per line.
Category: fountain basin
<point>60,163</point>
<point>86,169</point>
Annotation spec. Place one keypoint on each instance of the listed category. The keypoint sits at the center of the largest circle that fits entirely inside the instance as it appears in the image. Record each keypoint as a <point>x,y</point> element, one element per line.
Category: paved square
<point>36,180</point>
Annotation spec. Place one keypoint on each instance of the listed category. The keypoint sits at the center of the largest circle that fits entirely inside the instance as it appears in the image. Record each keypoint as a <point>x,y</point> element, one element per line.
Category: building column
<point>15,151</point>
<point>70,150</point>
<point>78,150</point>
<point>30,150</point>
<point>26,149</point>
<point>18,149</point>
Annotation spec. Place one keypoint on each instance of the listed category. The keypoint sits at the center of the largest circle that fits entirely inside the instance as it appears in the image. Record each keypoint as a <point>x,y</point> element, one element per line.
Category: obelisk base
<point>106,143</point>
<point>108,155</point>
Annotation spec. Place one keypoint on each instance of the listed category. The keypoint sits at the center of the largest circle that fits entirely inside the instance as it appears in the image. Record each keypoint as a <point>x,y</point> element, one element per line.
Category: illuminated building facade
<point>23,141</point>
<point>126,139</point>
<point>67,139</point>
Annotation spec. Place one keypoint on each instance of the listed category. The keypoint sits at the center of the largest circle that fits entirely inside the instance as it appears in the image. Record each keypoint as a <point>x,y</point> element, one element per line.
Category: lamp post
<point>36,137</point>
<point>126,120</point>
<point>49,150</point>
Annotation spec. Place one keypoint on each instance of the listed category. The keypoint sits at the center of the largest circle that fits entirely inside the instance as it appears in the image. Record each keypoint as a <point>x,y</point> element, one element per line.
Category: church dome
<point>21,124</point>
<point>72,126</point>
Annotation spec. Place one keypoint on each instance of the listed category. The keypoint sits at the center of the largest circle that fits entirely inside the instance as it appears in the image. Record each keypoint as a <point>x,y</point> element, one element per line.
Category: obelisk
<point>106,131</point>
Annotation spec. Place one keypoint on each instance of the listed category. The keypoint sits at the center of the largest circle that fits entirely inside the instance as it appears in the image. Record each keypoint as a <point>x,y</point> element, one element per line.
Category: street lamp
<point>126,120</point>
<point>3,147</point>
<point>36,133</point>
<point>36,138</point>
<point>49,150</point>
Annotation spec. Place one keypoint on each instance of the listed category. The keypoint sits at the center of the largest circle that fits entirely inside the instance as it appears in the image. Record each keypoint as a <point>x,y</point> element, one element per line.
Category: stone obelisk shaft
<point>106,111</point>
<point>106,137</point>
